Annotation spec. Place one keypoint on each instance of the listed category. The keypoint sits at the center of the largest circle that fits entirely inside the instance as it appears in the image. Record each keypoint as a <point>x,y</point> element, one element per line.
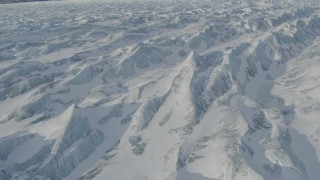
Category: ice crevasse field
<point>160,90</point>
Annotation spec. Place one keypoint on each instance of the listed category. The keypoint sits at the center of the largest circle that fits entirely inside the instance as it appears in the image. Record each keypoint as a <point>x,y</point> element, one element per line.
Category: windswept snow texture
<point>18,1</point>
<point>160,90</point>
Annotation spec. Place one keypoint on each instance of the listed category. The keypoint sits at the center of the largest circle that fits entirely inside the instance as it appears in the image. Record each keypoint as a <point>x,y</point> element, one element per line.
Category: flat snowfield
<point>152,90</point>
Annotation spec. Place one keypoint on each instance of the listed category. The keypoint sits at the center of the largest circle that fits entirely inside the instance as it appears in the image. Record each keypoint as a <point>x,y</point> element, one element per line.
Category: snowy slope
<point>160,90</point>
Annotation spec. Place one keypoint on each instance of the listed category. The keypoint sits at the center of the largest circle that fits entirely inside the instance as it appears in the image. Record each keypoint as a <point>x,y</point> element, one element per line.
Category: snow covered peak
<point>161,90</point>
<point>73,126</point>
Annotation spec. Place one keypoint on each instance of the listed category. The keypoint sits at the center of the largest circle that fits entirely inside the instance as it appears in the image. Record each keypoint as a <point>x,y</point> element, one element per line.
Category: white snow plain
<point>160,90</point>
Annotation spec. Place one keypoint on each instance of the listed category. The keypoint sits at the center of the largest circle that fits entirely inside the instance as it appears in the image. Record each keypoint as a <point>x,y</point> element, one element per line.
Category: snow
<point>161,90</point>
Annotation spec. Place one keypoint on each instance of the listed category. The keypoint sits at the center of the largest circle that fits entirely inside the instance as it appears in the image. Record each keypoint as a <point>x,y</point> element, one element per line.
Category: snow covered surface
<point>160,90</point>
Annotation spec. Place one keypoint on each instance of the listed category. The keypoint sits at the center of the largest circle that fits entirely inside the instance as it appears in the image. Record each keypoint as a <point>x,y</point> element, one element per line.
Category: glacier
<point>160,90</point>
